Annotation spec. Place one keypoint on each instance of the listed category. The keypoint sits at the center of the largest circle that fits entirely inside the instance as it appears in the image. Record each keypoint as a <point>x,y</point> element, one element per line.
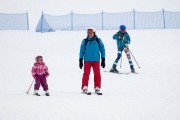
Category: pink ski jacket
<point>40,69</point>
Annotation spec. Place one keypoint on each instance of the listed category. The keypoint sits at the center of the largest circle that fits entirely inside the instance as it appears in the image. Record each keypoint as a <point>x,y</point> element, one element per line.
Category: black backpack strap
<point>118,34</point>
<point>86,40</point>
<point>97,40</point>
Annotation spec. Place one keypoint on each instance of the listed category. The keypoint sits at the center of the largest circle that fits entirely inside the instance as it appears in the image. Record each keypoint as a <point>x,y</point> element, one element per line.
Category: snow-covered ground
<point>152,94</point>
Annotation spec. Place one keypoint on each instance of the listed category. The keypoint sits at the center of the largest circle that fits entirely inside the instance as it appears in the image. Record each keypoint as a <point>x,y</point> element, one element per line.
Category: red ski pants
<point>87,70</point>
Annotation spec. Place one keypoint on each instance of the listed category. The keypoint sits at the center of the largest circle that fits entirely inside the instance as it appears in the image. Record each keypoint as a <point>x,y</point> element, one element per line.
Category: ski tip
<point>99,94</point>
<point>89,93</point>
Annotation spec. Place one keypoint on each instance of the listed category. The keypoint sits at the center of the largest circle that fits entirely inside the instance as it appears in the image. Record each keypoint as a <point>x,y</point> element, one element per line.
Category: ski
<point>37,94</point>
<point>86,92</point>
<point>126,73</point>
<point>99,93</point>
<point>134,72</point>
<point>118,72</point>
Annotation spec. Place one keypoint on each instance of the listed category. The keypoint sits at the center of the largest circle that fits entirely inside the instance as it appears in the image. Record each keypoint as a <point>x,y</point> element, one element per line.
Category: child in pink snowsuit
<point>40,73</point>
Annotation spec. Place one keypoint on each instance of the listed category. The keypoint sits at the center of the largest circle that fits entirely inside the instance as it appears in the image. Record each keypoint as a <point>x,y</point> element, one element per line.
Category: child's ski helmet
<point>38,57</point>
<point>122,27</point>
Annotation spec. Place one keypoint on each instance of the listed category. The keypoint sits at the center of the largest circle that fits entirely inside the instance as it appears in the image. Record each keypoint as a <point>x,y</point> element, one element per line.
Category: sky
<point>87,6</point>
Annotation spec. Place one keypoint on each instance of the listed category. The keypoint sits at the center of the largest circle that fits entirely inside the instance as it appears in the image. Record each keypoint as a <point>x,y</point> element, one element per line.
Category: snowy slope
<point>152,94</point>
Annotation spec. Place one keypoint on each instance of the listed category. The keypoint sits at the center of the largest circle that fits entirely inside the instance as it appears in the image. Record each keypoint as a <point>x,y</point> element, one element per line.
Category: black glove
<point>80,63</point>
<point>103,63</point>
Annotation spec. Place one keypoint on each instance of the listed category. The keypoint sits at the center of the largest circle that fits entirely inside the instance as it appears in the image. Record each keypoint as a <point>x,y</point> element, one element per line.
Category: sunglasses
<point>123,30</point>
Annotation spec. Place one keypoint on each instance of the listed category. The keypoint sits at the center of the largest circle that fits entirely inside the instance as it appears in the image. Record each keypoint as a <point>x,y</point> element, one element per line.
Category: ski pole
<point>30,87</point>
<point>134,58</point>
<point>121,60</point>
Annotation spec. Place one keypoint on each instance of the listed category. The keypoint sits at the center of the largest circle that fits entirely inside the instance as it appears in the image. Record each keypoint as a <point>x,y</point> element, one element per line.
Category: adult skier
<point>123,39</point>
<point>91,50</point>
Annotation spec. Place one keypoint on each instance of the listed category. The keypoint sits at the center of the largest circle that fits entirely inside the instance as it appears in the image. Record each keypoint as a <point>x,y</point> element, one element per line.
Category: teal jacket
<point>121,39</point>
<point>91,52</point>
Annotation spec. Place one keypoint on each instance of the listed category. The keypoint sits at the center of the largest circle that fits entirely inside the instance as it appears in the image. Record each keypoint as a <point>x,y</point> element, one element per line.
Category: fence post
<point>164,19</point>
<point>72,20</point>
<point>42,21</point>
<point>27,20</point>
<point>102,20</point>
<point>134,19</point>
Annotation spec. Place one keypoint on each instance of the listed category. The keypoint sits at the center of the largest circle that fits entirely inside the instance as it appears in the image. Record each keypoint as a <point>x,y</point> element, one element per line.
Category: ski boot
<point>113,69</point>
<point>47,94</point>
<point>37,94</point>
<point>85,90</point>
<point>97,91</point>
<point>132,69</point>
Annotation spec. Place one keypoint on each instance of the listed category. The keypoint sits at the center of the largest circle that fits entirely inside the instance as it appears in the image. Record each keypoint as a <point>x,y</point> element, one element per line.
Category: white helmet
<point>91,28</point>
